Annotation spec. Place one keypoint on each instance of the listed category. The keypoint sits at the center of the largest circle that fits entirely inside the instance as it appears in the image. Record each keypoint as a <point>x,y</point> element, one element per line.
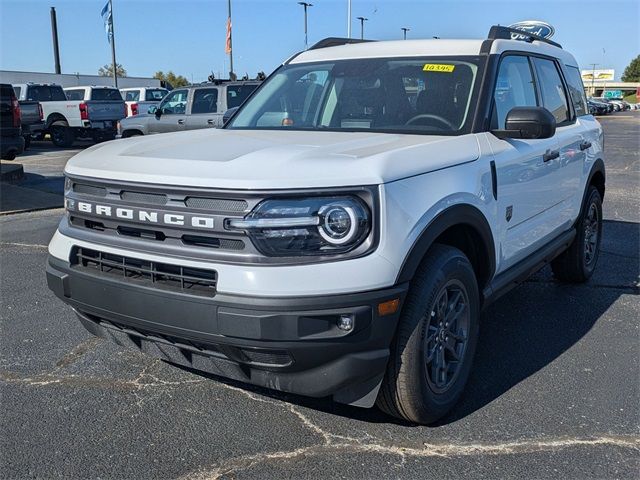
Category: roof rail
<point>335,42</point>
<point>504,33</point>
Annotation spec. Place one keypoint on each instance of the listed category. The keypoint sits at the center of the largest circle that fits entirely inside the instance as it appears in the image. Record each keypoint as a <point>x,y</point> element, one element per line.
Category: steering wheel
<point>429,116</point>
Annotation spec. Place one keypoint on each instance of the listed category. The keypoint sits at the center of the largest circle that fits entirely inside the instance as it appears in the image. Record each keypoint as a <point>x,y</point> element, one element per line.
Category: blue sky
<point>188,36</point>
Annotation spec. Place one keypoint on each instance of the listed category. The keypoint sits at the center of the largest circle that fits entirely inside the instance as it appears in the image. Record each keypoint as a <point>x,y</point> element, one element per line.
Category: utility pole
<point>113,46</point>
<point>54,34</point>
<point>348,18</point>
<point>404,32</point>
<point>362,20</point>
<point>229,41</point>
<point>593,78</point>
<point>305,5</point>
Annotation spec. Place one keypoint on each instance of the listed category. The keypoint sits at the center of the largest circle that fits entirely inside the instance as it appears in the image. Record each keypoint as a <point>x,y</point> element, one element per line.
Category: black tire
<point>409,390</point>
<point>577,263</point>
<point>27,141</point>
<point>62,135</point>
<point>10,155</point>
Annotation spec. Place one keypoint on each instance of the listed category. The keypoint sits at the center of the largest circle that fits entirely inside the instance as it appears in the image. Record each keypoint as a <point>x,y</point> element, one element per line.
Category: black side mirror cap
<point>528,123</point>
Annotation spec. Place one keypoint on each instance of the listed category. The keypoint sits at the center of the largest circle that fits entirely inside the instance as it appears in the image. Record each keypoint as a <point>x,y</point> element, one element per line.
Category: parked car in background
<point>601,101</point>
<point>79,112</point>
<point>190,108</point>
<point>11,141</point>
<point>598,108</point>
<point>139,100</point>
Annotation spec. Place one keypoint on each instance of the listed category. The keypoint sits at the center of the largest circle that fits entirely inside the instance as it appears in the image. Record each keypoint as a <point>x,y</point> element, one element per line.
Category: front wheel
<point>577,263</point>
<point>432,352</point>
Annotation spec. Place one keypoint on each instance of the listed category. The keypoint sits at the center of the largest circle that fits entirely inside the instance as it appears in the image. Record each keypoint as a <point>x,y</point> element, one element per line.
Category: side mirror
<point>226,116</point>
<point>528,123</point>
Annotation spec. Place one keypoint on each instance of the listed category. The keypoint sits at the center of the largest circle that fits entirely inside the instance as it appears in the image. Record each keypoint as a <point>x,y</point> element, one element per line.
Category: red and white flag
<point>227,47</point>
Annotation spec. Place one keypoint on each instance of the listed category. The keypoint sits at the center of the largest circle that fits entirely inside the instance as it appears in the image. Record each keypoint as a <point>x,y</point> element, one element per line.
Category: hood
<point>270,159</point>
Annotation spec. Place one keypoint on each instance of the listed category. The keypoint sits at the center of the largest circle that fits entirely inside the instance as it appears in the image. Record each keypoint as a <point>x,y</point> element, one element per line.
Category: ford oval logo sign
<point>534,27</point>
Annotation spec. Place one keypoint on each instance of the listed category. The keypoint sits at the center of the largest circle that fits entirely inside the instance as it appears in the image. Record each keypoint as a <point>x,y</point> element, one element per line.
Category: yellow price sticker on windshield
<point>438,67</point>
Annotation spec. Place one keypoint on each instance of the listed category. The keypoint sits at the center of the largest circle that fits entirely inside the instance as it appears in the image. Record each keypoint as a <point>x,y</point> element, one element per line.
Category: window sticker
<point>438,67</point>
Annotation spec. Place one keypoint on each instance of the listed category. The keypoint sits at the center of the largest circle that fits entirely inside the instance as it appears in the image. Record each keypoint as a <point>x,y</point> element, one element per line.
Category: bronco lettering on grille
<point>146,216</point>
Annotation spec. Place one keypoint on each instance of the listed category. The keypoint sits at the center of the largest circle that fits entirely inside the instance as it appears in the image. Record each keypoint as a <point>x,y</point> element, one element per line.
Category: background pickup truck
<point>140,100</point>
<point>91,112</point>
<point>190,108</point>
<point>11,142</point>
<point>32,118</point>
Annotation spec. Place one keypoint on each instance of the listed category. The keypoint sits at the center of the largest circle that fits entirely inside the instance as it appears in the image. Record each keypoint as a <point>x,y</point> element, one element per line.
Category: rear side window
<point>552,89</point>
<point>576,90</point>
<point>17,90</point>
<point>106,94</point>
<point>237,94</point>
<point>514,88</point>
<point>6,92</point>
<point>77,94</point>
<point>155,95</point>
<point>131,95</point>
<point>205,100</point>
<point>45,93</point>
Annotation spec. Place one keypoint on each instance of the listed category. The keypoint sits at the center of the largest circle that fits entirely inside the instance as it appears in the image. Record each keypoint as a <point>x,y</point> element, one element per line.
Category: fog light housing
<point>346,323</point>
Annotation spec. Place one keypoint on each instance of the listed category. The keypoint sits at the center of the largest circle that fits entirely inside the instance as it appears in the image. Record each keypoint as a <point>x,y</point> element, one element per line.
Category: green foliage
<point>107,70</point>
<point>632,72</point>
<point>172,78</point>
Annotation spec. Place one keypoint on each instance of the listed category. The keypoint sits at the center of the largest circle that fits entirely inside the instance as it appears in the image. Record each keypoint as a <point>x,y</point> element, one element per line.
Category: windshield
<point>417,95</point>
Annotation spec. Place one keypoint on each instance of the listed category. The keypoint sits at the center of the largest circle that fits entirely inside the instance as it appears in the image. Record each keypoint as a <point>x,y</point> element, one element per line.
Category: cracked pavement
<point>555,391</point>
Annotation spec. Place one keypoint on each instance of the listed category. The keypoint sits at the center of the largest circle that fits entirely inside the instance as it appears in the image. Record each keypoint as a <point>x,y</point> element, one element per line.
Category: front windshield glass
<point>417,95</point>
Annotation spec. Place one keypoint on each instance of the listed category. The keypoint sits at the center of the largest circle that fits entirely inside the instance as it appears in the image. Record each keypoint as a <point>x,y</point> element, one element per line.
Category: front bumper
<point>288,344</point>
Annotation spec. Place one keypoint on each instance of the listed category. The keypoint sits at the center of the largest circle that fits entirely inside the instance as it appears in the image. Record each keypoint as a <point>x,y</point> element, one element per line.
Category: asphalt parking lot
<point>555,392</point>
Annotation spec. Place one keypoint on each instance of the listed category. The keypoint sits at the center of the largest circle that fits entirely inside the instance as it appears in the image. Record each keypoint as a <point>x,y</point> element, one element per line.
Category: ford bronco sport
<point>342,233</point>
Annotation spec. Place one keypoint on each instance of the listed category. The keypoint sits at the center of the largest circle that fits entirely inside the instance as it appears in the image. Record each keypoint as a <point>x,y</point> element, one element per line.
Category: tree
<point>107,70</point>
<point>632,72</point>
<point>172,78</point>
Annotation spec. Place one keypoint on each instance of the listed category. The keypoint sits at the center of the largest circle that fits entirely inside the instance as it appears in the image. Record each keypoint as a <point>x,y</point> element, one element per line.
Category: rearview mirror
<point>528,123</point>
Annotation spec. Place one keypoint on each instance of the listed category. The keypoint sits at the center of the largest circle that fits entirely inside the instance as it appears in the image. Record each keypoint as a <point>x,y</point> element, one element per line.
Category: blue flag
<point>108,20</point>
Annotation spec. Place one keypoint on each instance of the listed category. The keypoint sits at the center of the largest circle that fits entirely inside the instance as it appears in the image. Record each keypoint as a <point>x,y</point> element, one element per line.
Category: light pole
<point>593,78</point>
<point>362,20</point>
<point>404,32</point>
<point>305,5</point>
<point>348,18</point>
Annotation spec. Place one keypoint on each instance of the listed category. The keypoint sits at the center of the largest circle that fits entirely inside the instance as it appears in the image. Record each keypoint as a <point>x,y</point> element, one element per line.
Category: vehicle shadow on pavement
<point>524,331</point>
<point>34,192</point>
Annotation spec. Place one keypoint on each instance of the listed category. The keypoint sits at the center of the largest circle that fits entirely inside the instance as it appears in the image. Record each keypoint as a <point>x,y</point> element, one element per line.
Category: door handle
<point>585,145</point>
<point>550,155</point>
<point>210,121</point>
<point>180,122</point>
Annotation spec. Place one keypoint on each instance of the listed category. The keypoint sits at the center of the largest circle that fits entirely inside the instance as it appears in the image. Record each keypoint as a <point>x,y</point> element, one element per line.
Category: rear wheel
<point>432,352</point>
<point>578,262</point>
<point>62,135</point>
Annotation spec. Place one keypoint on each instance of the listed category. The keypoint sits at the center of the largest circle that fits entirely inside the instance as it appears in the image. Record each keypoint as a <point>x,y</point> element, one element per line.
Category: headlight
<point>307,226</point>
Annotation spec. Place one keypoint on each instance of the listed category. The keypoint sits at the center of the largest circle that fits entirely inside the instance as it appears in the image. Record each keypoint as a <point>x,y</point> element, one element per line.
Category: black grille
<point>217,204</point>
<point>195,281</point>
<point>144,197</point>
<point>89,189</point>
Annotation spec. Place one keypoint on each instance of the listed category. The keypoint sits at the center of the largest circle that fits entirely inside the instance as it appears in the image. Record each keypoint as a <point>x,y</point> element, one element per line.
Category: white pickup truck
<point>77,112</point>
<point>140,99</point>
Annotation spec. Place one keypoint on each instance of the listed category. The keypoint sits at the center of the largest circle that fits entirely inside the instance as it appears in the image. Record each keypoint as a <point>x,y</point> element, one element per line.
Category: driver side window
<point>175,102</point>
<point>515,87</point>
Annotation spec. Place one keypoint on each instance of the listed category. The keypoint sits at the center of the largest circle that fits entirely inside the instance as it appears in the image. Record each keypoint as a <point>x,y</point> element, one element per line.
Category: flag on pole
<point>227,48</point>
<point>108,20</point>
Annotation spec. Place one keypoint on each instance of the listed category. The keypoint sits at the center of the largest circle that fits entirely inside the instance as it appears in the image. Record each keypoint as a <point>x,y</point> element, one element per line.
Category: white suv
<point>341,234</point>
